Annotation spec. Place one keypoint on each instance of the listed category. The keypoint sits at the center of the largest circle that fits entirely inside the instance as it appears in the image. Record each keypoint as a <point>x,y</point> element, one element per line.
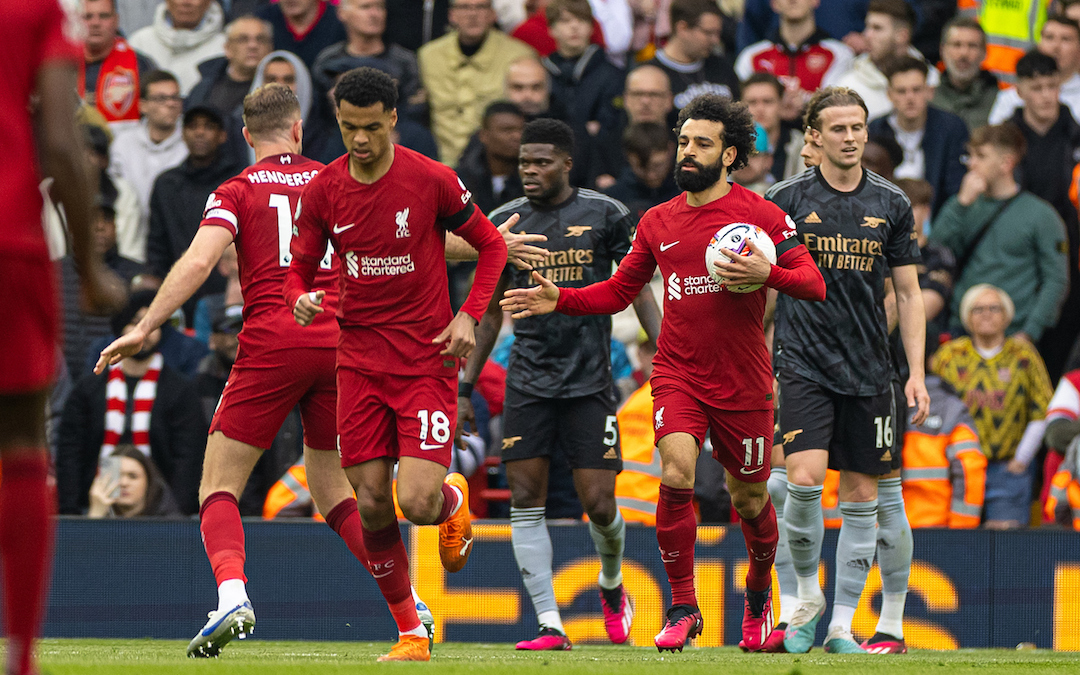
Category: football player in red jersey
<point>712,370</point>
<point>37,114</point>
<point>386,210</point>
<point>279,365</point>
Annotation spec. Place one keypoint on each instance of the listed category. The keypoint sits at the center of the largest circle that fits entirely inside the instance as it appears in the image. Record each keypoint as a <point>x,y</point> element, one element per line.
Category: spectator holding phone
<point>129,485</point>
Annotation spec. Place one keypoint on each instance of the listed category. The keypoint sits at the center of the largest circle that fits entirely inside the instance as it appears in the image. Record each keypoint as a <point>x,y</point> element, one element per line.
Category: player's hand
<point>971,187</point>
<point>120,348</point>
<point>519,251</point>
<point>307,306</point>
<point>917,398</point>
<point>525,302</point>
<point>465,414</point>
<point>744,269</point>
<point>459,336</point>
<point>103,292</point>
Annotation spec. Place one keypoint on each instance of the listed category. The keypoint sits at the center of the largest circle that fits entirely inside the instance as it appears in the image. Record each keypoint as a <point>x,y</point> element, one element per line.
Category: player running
<point>833,359</point>
<point>386,210</point>
<point>712,370</point>
<point>40,62</point>
<point>560,396</point>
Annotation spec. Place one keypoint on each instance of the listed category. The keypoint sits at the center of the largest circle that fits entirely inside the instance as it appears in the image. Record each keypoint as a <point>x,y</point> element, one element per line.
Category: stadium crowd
<point>974,110</point>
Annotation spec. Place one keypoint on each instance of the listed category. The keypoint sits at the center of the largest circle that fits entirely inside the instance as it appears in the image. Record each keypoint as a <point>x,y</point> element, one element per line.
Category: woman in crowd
<point>138,490</point>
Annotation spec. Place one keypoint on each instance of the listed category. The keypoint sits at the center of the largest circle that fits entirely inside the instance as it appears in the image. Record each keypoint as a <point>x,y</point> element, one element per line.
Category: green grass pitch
<point>252,657</point>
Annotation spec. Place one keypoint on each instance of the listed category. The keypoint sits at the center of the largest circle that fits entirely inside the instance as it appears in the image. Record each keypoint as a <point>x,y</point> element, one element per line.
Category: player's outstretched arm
<point>185,277</point>
<point>534,301</point>
<point>909,309</point>
<point>62,158</point>
<point>520,251</point>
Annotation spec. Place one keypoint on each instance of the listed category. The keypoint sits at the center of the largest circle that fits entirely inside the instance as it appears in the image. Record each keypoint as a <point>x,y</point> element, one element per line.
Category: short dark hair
<point>904,64</point>
<point>968,22</point>
<point>642,139</point>
<point>500,108</point>
<point>577,8</point>
<point>691,11</point>
<point>739,130</point>
<point>363,87</point>
<point>890,146</point>
<point>918,191</point>
<point>831,97</point>
<point>1064,21</point>
<point>765,78</point>
<point>153,77</point>
<point>270,108</point>
<point>1006,136</point>
<point>549,132</point>
<point>900,11</point>
<point>1035,64</point>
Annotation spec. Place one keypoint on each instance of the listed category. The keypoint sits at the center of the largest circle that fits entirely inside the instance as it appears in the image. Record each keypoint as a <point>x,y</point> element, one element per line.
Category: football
<point>734,237</point>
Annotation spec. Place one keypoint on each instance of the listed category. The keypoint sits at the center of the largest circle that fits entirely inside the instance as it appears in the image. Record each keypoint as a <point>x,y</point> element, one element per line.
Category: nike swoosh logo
<point>664,247</point>
<point>744,471</point>
<point>430,446</point>
<point>465,546</point>
<point>338,229</point>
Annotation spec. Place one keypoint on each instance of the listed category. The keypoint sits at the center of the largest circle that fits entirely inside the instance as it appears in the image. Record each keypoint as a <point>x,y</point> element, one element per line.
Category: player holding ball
<point>712,370</point>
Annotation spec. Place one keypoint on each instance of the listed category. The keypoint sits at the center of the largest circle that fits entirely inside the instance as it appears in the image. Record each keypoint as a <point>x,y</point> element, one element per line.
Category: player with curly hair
<point>712,370</point>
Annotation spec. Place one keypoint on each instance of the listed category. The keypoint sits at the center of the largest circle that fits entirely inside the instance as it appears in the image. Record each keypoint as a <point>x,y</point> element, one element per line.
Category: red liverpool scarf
<point>116,399</point>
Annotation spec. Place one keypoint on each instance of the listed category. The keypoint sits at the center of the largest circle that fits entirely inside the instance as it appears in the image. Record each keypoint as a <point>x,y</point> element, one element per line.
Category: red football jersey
<point>391,238</point>
<point>710,338</point>
<point>34,34</point>
<point>257,206</point>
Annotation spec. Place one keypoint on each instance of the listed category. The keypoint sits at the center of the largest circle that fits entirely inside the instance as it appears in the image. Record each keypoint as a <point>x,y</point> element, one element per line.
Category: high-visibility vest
<point>830,500</point>
<point>291,490</point>
<point>637,488</point>
<point>1012,28</point>
<point>1065,486</point>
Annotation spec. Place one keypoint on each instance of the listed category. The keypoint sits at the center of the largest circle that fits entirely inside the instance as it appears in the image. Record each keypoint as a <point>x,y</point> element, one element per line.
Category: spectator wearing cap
<point>933,140</point>
<point>756,176</point>
<point>184,34</point>
<point>303,27</point>
<point>649,176</point>
<point>141,153</point>
<point>111,68</point>
<point>365,23</point>
<point>142,401</point>
<point>81,330</point>
<point>181,194</point>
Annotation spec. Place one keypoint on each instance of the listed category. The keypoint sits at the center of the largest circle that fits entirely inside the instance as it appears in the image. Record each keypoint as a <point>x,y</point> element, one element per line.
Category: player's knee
<point>526,496</point>
<point>419,508</point>
<point>749,504</point>
<point>601,511</point>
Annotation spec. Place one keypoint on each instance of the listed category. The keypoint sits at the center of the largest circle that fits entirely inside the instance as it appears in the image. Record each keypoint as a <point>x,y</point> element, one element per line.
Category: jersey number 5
<point>280,203</point>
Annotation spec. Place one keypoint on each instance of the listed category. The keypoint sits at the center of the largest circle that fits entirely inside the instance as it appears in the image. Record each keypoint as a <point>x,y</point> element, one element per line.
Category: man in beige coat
<point>463,71</point>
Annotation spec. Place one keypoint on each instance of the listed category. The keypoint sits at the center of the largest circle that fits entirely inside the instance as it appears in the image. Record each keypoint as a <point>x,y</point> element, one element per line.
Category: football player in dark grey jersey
<point>833,359</point>
<point>559,390</point>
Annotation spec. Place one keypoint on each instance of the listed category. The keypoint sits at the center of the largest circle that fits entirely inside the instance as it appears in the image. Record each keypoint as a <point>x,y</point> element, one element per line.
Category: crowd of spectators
<point>973,112</point>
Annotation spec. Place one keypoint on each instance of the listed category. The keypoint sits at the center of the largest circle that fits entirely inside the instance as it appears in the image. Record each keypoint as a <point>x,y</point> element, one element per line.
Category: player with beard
<point>834,363</point>
<point>712,370</point>
<point>560,397</point>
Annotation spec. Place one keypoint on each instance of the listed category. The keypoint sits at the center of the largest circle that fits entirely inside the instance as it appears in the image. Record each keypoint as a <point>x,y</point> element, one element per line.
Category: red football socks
<point>451,499</point>
<point>223,536</point>
<point>761,536</point>
<point>345,520</point>
<point>26,534</point>
<point>676,532</point>
<point>389,564</point>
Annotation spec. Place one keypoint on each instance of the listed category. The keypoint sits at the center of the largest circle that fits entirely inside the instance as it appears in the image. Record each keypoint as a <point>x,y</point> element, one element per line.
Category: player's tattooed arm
<point>487,332</point>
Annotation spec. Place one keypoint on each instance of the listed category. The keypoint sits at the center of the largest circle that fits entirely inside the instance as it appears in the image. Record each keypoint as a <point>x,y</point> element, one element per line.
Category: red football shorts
<point>30,334</point>
<point>741,439</point>
<point>263,389</point>
<point>390,415</point>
